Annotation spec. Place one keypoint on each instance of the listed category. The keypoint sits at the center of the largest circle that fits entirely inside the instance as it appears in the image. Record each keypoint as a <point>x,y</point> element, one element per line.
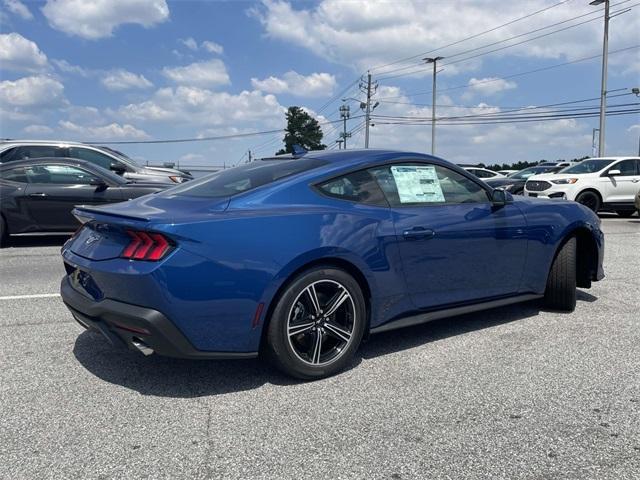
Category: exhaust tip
<point>142,347</point>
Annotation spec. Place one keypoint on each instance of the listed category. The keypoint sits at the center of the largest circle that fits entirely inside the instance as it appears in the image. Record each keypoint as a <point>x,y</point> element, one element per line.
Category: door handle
<point>635,180</point>
<point>418,232</point>
<point>39,194</point>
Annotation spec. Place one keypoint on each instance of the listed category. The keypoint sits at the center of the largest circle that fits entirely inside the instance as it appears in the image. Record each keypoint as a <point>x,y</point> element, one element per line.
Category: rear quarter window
<point>233,181</point>
<point>358,187</point>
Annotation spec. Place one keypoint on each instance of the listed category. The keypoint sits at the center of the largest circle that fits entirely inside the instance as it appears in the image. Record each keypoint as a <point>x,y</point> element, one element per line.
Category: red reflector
<point>258,314</point>
<point>142,331</point>
<point>146,246</point>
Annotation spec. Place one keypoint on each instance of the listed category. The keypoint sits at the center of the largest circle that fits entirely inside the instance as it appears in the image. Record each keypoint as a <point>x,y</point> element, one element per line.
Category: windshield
<point>120,155</point>
<point>232,181</point>
<point>588,166</point>
<point>531,171</point>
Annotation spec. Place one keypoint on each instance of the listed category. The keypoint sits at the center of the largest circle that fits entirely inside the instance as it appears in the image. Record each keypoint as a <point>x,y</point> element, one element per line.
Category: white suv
<point>609,183</point>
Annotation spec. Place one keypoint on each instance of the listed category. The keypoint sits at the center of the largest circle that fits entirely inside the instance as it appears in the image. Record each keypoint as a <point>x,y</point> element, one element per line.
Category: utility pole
<point>594,144</point>
<point>433,60</point>
<point>605,58</point>
<point>344,114</point>
<point>250,157</point>
<point>339,142</point>
<point>369,88</point>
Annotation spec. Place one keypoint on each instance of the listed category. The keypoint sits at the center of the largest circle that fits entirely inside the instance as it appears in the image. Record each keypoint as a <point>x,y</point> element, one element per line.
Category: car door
<point>455,245</point>
<point>100,159</point>
<point>54,190</point>
<point>13,185</point>
<point>621,188</point>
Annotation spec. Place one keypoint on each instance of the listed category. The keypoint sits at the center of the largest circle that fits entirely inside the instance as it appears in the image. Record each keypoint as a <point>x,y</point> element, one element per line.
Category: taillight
<point>146,246</point>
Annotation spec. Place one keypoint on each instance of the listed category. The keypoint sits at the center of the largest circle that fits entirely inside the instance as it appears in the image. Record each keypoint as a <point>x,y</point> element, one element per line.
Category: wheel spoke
<point>317,348</point>
<point>313,296</point>
<point>337,331</point>
<point>300,328</point>
<point>338,299</point>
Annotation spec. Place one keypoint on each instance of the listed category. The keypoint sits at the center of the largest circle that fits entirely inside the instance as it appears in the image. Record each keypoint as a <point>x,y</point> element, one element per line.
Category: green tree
<point>302,129</point>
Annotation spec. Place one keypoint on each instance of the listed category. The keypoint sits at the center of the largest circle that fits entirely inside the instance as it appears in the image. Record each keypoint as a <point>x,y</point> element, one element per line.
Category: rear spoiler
<point>87,213</point>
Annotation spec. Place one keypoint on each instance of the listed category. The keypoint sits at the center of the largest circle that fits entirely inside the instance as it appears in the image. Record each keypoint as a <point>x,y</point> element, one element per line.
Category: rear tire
<point>560,293</point>
<point>625,213</point>
<point>589,199</point>
<point>324,339</point>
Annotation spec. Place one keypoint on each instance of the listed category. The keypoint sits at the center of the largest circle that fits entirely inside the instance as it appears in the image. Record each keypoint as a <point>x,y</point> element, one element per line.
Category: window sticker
<point>417,184</point>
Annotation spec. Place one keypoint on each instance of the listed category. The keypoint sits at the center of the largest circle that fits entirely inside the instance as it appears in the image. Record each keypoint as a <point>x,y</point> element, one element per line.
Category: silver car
<point>104,157</point>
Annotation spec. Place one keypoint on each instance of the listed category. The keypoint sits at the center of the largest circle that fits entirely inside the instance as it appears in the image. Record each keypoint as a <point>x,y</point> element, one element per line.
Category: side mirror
<point>98,182</point>
<point>614,173</point>
<point>118,168</point>
<point>499,197</point>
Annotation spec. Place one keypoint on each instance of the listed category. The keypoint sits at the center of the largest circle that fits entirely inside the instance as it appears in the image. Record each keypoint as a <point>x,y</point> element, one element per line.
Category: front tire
<point>317,324</point>
<point>589,199</point>
<point>560,293</point>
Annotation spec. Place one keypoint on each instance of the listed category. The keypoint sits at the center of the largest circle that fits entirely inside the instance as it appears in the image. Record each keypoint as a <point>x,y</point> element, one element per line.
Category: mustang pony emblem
<point>93,237</point>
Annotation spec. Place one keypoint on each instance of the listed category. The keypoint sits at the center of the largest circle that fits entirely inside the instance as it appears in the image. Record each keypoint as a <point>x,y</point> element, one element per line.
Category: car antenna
<point>298,150</point>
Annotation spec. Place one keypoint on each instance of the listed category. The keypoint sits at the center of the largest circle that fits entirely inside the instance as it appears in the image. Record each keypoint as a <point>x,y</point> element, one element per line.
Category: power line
<point>497,79</point>
<point>511,22</point>
<point>201,139</point>
<point>449,56</point>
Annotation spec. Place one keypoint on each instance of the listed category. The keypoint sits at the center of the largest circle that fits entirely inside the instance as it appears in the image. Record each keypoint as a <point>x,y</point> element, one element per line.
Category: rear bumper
<point>125,325</point>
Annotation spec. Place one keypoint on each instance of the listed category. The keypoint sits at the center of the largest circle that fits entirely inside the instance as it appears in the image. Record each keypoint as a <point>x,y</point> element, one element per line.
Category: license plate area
<point>532,194</point>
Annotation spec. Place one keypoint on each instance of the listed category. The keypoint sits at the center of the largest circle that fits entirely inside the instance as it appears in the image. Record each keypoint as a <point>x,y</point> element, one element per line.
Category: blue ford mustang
<point>299,258</point>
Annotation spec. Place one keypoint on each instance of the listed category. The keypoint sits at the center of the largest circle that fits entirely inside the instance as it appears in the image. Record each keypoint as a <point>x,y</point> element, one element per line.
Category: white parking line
<point>38,295</point>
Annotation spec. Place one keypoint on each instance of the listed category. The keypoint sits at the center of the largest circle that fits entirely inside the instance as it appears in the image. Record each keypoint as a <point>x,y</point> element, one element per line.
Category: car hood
<point>554,176</point>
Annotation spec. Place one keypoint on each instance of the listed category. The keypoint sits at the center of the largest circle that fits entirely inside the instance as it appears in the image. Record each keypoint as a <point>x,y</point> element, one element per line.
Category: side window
<point>91,156</point>
<point>14,175</point>
<point>58,174</point>
<point>8,155</point>
<point>36,151</point>
<point>358,187</point>
<point>628,168</point>
<point>423,184</point>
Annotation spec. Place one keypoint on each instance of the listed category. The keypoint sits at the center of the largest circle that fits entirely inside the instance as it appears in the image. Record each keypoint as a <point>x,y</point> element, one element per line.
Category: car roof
<point>356,156</point>
<point>16,141</point>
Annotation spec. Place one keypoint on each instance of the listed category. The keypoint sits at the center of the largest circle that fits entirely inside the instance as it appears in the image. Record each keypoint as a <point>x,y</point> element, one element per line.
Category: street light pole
<point>433,60</point>
<point>605,58</point>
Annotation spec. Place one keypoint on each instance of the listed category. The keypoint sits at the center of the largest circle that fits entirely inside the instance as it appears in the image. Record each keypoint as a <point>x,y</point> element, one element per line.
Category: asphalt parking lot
<point>516,392</point>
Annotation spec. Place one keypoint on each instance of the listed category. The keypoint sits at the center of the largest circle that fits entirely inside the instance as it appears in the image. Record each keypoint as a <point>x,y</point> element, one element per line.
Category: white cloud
<point>200,108</point>
<point>190,43</point>
<point>67,67</point>
<point>20,54</point>
<point>489,86</point>
<point>98,18</point>
<point>634,128</point>
<point>32,92</point>
<point>191,157</point>
<point>208,45</point>
<point>364,34</point>
<point>113,131</point>
<point>123,80</point>
<point>18,8</point>
<point>210,73</point>
<point>314,85</point>
<point>37,130</point>
<point>212,47</point>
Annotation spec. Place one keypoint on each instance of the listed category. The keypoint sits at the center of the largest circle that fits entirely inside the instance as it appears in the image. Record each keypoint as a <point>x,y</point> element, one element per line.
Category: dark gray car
<point>38,195</point>
<point>105,157</point>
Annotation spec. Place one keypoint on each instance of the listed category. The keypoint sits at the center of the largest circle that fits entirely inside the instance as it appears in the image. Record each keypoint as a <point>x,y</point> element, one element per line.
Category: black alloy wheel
<point>317,324</point>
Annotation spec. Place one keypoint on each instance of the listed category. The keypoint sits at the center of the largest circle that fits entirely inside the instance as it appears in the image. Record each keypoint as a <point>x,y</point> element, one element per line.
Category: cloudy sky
<point>113,70</point>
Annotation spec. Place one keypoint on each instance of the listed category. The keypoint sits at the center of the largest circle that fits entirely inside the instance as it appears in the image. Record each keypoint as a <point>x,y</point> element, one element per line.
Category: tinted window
<point>626,167</point>
<point>7,155</point>
<point>92,156</point>
<point>416,184</point>
<point>37,151</point>
<point>588,166</point>
<point>14,175</point>
<point>358,187</point>
<point>245,177</point>
<point>58,174</point>
<point>483,174</point>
